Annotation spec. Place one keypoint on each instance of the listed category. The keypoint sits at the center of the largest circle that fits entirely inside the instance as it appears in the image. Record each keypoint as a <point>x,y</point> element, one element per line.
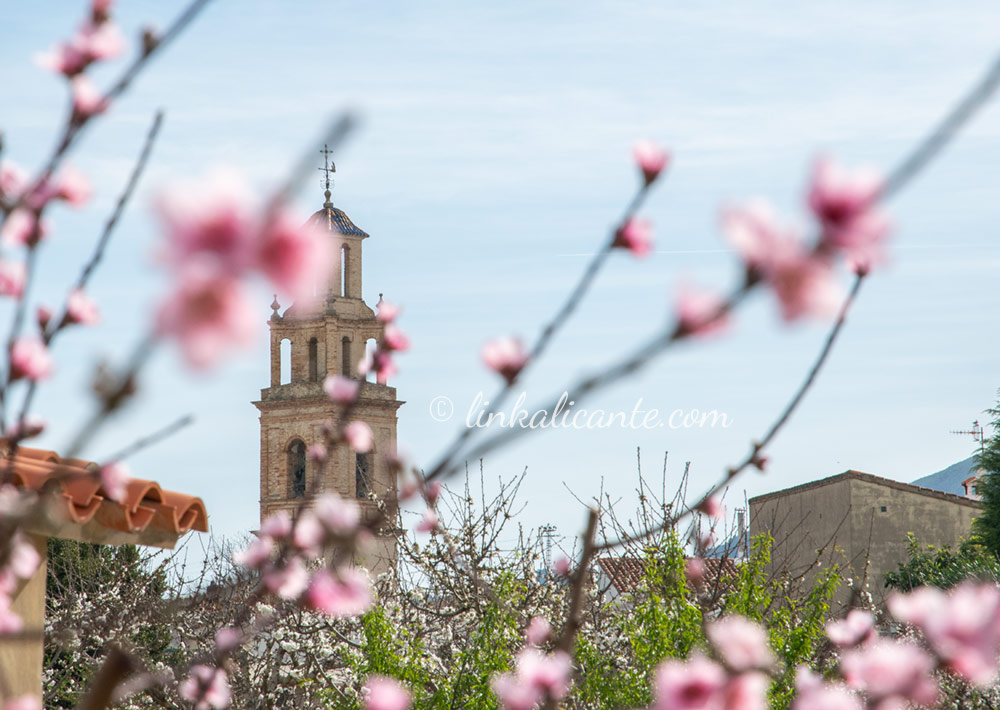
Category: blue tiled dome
<point>336,220</point>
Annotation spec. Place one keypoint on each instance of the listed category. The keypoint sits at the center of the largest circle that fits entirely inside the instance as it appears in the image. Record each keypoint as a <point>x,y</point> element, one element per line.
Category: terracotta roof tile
<point>148,515</point>
<point>626,573</point>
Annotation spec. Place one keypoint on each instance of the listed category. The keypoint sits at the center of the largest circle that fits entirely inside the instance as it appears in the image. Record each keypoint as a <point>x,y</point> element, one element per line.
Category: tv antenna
<point>976,432</point>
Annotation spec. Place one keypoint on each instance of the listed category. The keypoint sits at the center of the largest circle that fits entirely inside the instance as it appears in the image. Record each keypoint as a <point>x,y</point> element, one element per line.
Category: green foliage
<point>664,619</point>
<point>987,525</point>
<point>463,681</point>
<point>943,567</point>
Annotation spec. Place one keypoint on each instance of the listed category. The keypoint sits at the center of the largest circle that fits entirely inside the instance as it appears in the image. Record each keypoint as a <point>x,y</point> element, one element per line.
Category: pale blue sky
<point>493,157</point>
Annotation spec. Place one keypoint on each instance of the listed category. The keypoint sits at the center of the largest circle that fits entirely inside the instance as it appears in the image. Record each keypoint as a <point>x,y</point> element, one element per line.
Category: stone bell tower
<point>329,337</point>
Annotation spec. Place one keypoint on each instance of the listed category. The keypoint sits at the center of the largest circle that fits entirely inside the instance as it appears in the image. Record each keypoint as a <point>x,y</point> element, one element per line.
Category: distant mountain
<point>949,480</point>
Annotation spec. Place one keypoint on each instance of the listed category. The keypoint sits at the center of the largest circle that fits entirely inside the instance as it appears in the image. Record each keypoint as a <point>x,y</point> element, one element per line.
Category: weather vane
<point>328,167</point>
<point>977,434</point>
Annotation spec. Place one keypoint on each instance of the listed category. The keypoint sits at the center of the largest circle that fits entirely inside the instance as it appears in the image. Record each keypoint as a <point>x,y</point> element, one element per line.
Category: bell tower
<point>308,343</point>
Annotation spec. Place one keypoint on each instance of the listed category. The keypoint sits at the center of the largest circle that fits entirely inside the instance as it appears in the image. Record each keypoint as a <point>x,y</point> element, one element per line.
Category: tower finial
<point>328,167</point>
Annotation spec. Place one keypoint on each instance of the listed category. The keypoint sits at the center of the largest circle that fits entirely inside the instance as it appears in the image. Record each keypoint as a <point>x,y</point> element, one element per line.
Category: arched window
<point>286,361</point>
<point>296,469</point>
<point>313,360</point>
<point>362,476</point>
<point>345,253</point>
<point>345,357</point>
<point>371,345</point>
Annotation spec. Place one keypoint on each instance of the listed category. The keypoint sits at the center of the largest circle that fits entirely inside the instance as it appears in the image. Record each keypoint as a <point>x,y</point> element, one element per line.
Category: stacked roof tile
<point>82,510</point>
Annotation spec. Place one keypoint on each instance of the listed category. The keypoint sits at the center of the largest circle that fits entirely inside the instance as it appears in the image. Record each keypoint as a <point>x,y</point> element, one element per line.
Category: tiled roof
<point>336,220</point>
<point>626,573</point>
<point>852,475</point>
<point>148,515</point>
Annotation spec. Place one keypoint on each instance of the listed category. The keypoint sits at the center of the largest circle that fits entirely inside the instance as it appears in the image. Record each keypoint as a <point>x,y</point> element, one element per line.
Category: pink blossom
<point>87,100</point>
<point>506,356</point>
<point>342,390</point>
<point>309,534</point>
<point>10,622</point>
<point>741,643</point>
<point>94,41</point>
<point>72,186</point>
<point>208,314</point>
<point>636,235</point>
<point>845,204</point>
<point>23,559</point>
<point>317,453</point>
<point>804,284</point>
<point>752,229</point>
<point>211,218</point>
<point>562,566</point>
<point>651,159</point>
<point>857,628</point>
<point>289,579</point>
<point>747,691</point>
<point>277,525</point>
<point>538,631</point>
<point>346,594</point>
<point>23,228</point>
<point>699,311</point>
<point>359,436</point>
<point>12,278</point>
<point>694,570</point>
<point>296,257</point>
<point>256,554</point>
<point>381,362</point>
<point>432,491</point>
<point>80,309</point>
<point>341,517</point>
<point>387,312</point>
<point>23,702</point>
<point>13,180</point>
<point>695,684</point>
<point>227,638</point>
<point>395,339</point>
<point>548,673</point>
<point>381,693</point>
<point>30,359</point>
<point>962,627</point>
<point>535,677</point>
<point>207,687</point>
<point>513,694</point>
<point>885,668</point>
<point>712,507</point>
<point>813,694</point>
<point>114,480</point>
<point>429,521</point>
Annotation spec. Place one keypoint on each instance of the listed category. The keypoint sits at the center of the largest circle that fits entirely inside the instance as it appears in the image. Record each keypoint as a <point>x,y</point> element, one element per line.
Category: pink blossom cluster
<point>381,693</point>
<point>802,276</point>
<point>207,687</point>
<point>537,676</point>
<point>18,562</point>
<point>393,340</point>
<point>636,234</point>
<point>215,238</point>
<point>283,548</point>
<point>962,627</point>
<point>97,39</point>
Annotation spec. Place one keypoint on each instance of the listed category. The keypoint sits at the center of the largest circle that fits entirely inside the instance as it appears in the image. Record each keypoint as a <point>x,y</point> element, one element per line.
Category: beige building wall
<point>859,522</point>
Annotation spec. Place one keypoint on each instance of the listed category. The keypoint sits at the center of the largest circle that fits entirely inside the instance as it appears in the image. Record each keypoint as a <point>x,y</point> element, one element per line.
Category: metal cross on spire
<point>328,167</point>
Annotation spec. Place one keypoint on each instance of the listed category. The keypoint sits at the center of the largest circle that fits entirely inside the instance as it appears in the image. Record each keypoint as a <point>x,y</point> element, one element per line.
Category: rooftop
<point>148,514</point>
<point>336,220</point>
<point>852,475</point>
